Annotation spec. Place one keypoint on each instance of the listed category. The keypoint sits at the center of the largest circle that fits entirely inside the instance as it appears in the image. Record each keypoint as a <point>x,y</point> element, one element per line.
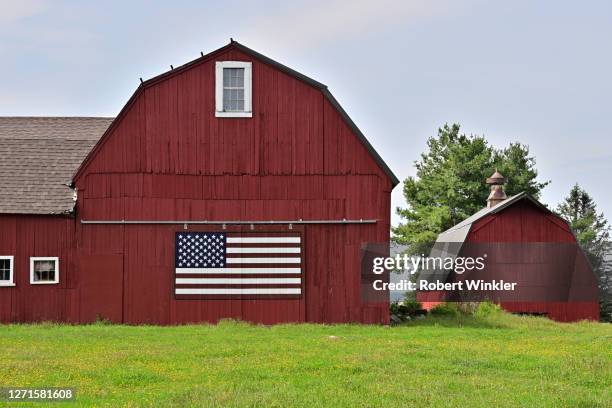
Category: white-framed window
<point>6,270</point>
<point>233,89</point>
<point>44,270</point>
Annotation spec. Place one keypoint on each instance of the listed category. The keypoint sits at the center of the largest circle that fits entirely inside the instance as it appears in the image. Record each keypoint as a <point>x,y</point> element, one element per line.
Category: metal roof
<point>450,242</point>
<point>458,233</point>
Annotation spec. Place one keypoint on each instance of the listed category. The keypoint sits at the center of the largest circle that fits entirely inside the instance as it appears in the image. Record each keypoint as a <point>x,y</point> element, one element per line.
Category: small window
<point>44,270</point>
<point>233,89</point>
<point>6,271</point>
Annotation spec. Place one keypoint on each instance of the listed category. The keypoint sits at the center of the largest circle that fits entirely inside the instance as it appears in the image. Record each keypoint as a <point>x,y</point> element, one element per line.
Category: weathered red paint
<point>526,222</point>
<point>167,157</point>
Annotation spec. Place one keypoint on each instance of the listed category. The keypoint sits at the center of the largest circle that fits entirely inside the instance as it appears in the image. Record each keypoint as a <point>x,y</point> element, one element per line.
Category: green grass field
<point>498,360</point>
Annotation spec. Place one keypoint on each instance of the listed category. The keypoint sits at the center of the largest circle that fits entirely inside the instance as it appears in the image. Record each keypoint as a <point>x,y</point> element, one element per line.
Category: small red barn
<point>525,243</point>
<point>229,187</point>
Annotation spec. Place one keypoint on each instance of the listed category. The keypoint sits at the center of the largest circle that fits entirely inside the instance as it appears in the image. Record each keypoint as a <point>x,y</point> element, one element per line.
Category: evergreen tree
<point>593,234</point>
<point>449,184</point>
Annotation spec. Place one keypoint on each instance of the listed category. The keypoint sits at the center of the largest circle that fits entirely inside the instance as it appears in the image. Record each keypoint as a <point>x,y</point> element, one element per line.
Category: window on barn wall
<point>233,89</point>
<point>6,271</point>
<point>44,270</point>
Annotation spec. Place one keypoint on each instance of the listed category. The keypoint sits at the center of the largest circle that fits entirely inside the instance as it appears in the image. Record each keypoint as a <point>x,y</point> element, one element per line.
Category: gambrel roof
<point>239,47</point>
<point>38,156</point>
<point>459,232</point>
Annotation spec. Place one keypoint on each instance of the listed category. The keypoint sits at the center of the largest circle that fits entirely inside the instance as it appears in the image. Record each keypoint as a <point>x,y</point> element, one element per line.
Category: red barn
<point>114,218</point>
<point>528,244</point>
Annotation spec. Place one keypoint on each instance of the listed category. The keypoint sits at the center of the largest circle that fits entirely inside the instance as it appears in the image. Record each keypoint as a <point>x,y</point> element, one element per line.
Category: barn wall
<point>169,158</point>
<point>27,236</point>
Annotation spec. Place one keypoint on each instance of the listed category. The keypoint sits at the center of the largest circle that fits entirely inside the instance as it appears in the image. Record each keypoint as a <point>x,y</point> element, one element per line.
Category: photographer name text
<point>406,285</point>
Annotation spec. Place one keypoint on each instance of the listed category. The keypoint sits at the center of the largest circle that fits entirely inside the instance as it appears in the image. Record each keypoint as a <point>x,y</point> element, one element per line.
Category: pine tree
<point>449,184</point>
<point>593,234</point>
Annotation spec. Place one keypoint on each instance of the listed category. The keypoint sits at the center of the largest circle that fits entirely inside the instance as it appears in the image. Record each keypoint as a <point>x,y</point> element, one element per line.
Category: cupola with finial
<point>497,195</point>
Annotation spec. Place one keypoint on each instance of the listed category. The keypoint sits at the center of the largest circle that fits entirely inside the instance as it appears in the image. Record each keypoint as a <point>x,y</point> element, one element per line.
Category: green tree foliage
<point>593,234</point>
<point>449,184</point>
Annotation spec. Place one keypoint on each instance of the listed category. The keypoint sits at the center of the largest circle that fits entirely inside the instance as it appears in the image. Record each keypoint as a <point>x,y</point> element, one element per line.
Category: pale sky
<point>534,72</point>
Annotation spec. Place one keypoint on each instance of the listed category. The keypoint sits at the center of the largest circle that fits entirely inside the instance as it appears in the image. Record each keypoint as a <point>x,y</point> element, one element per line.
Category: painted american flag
<point>225,265</point>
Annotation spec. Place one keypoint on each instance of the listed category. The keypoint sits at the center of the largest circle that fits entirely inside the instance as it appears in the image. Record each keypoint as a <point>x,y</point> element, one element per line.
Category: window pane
<point>5,269</point>
<point>233,77</point>
<point>233,89</point>
<point>44,265</point>
<point>239,80</point>
<point>44,271</point>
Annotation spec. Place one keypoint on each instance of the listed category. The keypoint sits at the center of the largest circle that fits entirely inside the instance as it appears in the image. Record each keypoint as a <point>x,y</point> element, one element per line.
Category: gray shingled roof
<point>38,156</point>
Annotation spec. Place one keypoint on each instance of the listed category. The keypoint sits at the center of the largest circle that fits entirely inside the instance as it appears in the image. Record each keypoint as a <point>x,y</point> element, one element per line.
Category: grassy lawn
<point>499,360</point>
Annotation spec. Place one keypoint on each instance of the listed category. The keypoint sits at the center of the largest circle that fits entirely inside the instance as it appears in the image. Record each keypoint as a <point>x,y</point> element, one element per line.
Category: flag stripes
<point>241,291</point>
<point>264,260</point>
<point>236,281</point>
<point>263,250</point>
<point>263,240</point>
<point>237,270</point>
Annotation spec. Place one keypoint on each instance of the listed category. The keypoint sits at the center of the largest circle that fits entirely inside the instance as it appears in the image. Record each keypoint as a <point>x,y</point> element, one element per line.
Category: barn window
<point>233,89</point>
<point>44,270</point>
<point>6,271</point>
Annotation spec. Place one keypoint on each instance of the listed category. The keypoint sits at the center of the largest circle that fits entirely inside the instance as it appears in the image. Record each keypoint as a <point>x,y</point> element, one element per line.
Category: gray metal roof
<point>449,243</point>
<point>38,156</point>
<point>458,233</point>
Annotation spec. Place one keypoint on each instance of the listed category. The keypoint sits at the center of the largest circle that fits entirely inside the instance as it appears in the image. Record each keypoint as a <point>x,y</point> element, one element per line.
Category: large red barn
<point>528,244</point>
<point>233,145</point>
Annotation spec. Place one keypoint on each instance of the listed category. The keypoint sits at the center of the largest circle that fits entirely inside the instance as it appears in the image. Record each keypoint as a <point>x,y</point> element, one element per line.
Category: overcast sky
<point>534,72</point>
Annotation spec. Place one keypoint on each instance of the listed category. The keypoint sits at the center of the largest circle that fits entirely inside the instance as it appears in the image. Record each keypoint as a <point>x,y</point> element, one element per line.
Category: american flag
<point>238,265</point>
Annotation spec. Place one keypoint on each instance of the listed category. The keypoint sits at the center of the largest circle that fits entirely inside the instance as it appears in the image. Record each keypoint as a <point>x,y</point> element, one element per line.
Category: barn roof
<point>41,156</point>
<point>38,156</point>
<point>450,242</point>
<point>458,233</point>
<point>246,50</point>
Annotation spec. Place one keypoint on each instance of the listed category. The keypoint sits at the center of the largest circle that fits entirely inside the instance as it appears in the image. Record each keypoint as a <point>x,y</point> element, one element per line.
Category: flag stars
<point>200,250</point>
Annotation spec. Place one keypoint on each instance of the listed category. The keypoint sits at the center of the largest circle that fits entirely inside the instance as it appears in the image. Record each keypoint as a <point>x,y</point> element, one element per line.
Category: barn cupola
<point>497,195</point>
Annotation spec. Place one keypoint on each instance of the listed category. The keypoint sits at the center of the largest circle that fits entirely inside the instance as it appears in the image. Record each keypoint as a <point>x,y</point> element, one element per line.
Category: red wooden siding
<point>168,157</point>
<point>29,236</point>
<point>522,222</point>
